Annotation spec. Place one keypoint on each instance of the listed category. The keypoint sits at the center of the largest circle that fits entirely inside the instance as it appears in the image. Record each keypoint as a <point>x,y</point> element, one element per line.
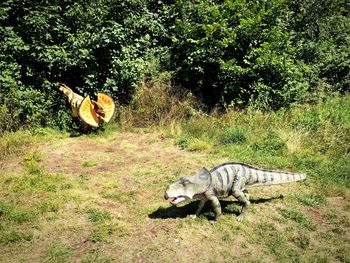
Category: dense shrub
<point>268,54</point>
<point>239,51</point>
<point>323,40</point>
<point>91,46</point>
<point>264,53</point>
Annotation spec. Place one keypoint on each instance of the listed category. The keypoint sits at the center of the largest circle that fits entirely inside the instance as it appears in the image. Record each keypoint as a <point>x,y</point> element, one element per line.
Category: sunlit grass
<point>109,206</point>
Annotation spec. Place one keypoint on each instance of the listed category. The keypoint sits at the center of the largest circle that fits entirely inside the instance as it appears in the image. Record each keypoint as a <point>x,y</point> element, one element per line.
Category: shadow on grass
<point>228,207</point>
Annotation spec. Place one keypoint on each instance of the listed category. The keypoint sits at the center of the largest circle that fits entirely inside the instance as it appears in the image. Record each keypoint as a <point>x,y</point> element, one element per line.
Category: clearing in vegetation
<point>99,198</point>
<point>194,83</point>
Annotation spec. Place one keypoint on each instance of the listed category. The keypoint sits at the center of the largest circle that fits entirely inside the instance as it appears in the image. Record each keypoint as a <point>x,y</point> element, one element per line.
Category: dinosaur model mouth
<point>177,200</point>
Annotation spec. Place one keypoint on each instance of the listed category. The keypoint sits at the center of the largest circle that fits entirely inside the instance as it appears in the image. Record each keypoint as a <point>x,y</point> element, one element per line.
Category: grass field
<point>99,197</point>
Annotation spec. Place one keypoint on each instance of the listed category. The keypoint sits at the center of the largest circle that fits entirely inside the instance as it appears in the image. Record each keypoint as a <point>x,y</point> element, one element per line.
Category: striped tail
<point>273,177</point>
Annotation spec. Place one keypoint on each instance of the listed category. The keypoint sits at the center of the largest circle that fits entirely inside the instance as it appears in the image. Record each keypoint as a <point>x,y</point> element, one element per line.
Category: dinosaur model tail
<point>273,177</point>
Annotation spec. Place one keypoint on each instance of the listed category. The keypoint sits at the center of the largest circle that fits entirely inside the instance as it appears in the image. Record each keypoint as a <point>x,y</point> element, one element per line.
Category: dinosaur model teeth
<point>177,200</point>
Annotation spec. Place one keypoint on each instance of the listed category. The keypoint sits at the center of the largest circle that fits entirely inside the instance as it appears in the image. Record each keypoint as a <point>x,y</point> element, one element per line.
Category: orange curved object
<point>88,114</point>
<point>106,105</point>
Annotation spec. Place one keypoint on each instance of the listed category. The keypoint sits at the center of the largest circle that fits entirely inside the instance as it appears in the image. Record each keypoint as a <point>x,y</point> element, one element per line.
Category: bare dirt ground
<point>110,207</point>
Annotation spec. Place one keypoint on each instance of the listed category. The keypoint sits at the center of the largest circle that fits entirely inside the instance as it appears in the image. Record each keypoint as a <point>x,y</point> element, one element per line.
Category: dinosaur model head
<point>94,112</point>
<point>187,187</point>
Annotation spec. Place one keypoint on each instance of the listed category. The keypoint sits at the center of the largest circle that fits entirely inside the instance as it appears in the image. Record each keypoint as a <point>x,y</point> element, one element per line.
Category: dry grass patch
<point>292,138</point>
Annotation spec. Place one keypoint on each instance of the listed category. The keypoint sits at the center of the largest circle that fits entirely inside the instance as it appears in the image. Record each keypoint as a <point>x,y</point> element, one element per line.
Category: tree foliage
<point>264,53</point>
<point>101,45</point>
<point>269,53</point>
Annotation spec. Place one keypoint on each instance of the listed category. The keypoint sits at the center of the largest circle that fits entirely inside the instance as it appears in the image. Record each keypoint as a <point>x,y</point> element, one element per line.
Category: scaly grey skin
<point>225,180</point>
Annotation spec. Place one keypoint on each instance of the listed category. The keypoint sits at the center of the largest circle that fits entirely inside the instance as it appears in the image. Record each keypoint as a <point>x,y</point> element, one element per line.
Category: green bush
<point>91,46</point>
<point>267,54</point>
<point>238,51</point>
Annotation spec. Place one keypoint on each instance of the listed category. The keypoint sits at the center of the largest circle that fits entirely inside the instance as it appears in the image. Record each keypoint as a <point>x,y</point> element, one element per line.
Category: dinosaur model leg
<point>216,205</point>
<point>241,196</point>
<point>200,207</point>
<point>246,193</point>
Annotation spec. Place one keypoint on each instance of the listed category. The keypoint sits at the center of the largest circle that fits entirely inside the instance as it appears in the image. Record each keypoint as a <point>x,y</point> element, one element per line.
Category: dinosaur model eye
<point>184,181</point>
<point>87,113</point>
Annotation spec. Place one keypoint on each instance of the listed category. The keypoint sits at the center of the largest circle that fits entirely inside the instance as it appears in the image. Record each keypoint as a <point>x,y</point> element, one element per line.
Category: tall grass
<point>313,138</point>
<point>9,113</point>
<point>156,103</point>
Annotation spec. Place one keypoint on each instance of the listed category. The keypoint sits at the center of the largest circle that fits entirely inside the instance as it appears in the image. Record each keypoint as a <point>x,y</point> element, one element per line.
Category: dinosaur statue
<point>91,112</point>
<point>225,180</point>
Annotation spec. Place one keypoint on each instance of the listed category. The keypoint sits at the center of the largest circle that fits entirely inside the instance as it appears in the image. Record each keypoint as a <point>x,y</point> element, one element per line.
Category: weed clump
<point>302,240</point>
<point>312,200</point>
<point>17,215</point>
<point>58,252</point>
<point>199,145</point>
<point>15,236</point>
<point>182,142</point>
<point>233,136</point>
<point>89,163</point>
<point>299,218</point>
<point>97,216</point>
<point>97,256</point>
